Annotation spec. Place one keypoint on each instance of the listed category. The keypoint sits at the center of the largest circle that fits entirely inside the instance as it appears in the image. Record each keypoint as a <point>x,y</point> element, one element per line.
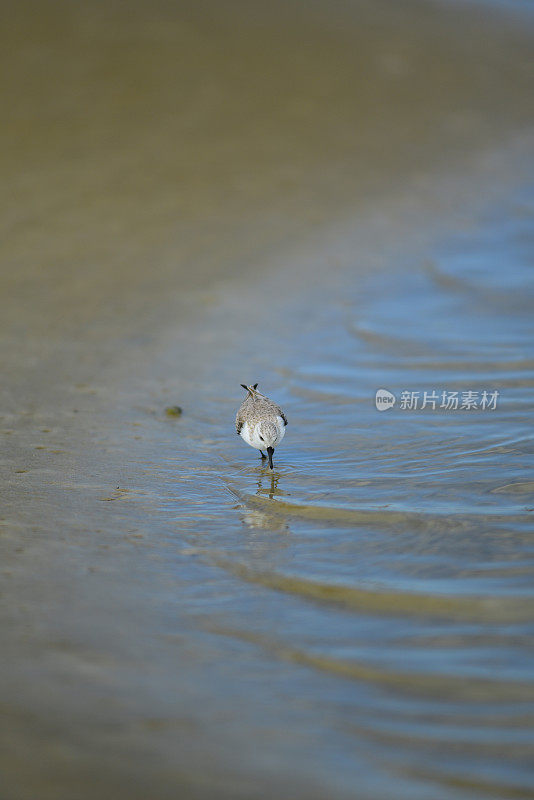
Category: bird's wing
<point>272,408</point>
<point>239,422</point>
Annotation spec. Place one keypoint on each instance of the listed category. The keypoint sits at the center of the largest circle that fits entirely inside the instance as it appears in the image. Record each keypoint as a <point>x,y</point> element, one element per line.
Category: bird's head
<point>268,433</point>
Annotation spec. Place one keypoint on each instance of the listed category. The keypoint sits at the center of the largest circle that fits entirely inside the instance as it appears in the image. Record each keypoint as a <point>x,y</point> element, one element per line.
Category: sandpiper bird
<point>260,422</point>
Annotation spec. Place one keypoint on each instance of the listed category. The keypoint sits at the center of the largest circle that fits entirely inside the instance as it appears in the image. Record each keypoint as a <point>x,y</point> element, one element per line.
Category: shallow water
<point>385,568</point>
<point>364,612</point>
<point>177,619</point>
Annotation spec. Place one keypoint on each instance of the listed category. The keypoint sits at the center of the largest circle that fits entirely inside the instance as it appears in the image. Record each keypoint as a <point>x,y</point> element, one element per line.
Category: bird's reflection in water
<point>271,478</point>
<point>263,518</point>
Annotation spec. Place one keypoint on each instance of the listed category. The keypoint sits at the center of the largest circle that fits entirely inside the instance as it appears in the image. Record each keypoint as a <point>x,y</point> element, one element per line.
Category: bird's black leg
<point>263,454</point>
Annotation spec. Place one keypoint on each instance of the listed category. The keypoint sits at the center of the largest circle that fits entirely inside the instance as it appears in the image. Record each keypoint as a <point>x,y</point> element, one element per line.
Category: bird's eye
<point>261,437</point>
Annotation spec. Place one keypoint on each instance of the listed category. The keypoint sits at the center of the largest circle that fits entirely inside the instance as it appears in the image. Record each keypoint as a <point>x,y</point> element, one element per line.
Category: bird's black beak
<point>270,451</point>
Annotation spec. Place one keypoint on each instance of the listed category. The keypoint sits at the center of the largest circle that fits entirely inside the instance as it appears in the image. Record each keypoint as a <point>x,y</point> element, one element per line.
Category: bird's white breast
<point>251,434</point>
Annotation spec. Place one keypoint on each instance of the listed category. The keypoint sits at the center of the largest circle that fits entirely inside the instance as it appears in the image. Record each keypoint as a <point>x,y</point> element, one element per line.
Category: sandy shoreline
<point>155,157</point>
<point>146,155</point>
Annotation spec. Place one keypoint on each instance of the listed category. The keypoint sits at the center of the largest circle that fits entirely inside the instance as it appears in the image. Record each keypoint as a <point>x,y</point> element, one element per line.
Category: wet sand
<point>153,150</point>
<point>158,160</point>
